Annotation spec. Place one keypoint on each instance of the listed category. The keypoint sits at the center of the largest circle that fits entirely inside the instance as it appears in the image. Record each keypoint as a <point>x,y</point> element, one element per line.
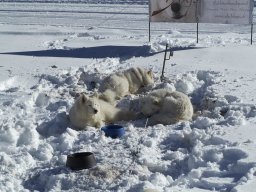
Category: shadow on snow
<point>112,51</point>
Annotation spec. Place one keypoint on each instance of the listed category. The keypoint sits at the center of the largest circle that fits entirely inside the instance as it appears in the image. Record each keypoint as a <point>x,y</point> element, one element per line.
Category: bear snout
<point>95,111</point>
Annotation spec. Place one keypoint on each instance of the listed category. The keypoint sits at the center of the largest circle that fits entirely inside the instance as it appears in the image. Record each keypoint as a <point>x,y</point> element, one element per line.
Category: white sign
<point>203,11</point>
<point>183,11</point>
<point>226,11</point>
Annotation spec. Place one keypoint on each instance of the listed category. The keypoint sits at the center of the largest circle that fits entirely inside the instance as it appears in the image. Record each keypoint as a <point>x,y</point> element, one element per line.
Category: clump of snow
<point>213,152</point>
<point>42,100</point>
<point>29,137</point>
<point>204,122</point>
<point>153,158</point>
<point>172,40</point>
<point>176,33</point>
<point>7,84</point>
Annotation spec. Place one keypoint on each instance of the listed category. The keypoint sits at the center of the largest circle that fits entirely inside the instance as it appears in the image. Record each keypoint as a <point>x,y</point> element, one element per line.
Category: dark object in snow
<point>82,160</point>
<point>223,111</point>
<point>54,66</point>
<point>113,131</point>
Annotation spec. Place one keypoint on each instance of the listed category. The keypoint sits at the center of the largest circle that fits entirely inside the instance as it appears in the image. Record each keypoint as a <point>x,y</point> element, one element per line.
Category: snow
<point>52,52</point>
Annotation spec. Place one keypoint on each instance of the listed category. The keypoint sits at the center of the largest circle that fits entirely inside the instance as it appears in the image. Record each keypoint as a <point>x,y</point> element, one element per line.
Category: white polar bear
<point>117,85</point>
<point>164,106</point>
<point>95,112</point>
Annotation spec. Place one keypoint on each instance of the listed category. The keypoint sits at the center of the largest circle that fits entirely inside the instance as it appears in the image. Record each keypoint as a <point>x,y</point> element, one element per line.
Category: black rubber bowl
<point>113,131</point>
<point>83,160</point>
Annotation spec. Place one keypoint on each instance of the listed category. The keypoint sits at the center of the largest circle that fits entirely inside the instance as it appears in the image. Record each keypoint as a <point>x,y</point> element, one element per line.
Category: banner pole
<point>197,32</point>
<point>251,32</point>
<point>149,33</point>
<point>149,15</point>
<point>197,21</point>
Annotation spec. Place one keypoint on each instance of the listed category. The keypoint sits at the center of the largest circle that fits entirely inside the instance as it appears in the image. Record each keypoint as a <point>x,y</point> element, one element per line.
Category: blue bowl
<point>113,131</point>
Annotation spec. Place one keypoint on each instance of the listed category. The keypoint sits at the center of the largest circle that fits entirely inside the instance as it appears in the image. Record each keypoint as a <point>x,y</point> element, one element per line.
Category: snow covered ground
<point>50,52</point>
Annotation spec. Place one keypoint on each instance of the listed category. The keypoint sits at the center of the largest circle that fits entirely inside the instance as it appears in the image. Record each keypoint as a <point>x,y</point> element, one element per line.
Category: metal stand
<point>165,59</point>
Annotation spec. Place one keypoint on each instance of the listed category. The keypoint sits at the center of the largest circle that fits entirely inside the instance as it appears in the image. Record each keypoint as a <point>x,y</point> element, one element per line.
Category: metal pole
<point>149,34</point>
<point>197,20</point>
<point>197,31</point>
<point>251,32</point>
<point>149,15</point>
<point>162,76</point>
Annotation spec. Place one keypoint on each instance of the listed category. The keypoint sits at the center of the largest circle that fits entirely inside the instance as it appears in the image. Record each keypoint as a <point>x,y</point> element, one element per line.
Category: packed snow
<point>51,52</point>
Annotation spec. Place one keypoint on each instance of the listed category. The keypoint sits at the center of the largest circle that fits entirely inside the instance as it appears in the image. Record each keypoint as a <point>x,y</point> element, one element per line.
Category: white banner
<point>226,11</point>
<point>206,11</point>
<point>183,11</point>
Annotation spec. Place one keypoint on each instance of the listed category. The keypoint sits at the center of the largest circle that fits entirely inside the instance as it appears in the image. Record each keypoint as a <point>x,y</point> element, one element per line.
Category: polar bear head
<point>148,77</point>
<point>88,105</point>
<point>150,105</point>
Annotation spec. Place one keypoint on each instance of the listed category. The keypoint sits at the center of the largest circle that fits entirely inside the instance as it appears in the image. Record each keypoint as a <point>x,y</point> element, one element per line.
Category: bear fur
<point>95,112</point>
<point>120,84</point>
<point>164,106</point>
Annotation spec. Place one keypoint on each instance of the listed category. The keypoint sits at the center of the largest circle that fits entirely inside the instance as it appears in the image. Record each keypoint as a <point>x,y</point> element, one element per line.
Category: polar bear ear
<point>83,98</point>
<point>96,94</point>
<point>156,101</point>
<point>150,73</point>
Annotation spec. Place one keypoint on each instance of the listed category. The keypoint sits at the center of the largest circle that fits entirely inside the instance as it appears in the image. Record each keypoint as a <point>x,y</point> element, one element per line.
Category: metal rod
<point>162,76</point>
<point>197,19</point>
<point>251,32</point>
<point>197,31</point>
<point>149,19</point>
<point>149,33</point>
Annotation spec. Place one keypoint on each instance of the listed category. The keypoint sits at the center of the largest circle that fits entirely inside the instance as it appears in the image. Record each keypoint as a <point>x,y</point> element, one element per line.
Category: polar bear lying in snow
<point>95,112</point>
<point>164,106</point>
<point>124,83</point>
